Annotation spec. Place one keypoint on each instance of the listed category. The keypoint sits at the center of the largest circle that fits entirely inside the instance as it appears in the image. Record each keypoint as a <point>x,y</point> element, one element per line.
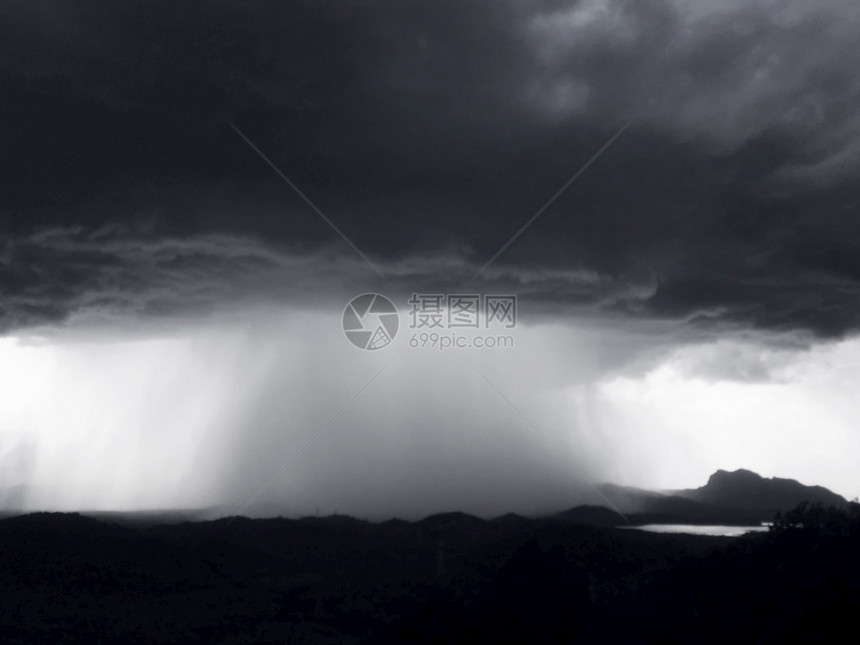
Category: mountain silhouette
<point>737,497</point>
<point>745,490</point>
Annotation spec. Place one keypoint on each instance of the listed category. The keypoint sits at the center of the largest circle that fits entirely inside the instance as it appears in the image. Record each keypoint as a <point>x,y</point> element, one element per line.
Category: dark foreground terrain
<point>67,578</point>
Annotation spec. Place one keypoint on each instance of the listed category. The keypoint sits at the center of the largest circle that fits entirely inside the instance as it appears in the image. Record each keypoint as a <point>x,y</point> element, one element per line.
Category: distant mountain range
<point>739,497</point>
<point>745,489</point>
<point>736,497</point>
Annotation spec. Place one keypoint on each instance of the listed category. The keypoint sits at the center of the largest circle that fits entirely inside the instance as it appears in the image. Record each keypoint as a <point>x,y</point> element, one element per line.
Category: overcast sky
<point>170,308</point>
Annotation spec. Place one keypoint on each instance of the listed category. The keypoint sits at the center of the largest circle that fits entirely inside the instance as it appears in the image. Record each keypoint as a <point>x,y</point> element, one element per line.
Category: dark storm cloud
<point>429,132</point>
<point>57,273</point>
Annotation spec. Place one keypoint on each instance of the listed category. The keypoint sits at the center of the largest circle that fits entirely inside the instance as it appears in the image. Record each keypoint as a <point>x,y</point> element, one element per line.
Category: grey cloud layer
<point>430,132</point>
<point>58,274</point>
<point>788,69</point>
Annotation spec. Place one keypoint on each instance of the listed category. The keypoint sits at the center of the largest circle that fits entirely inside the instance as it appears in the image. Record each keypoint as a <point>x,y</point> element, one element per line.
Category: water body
<point>699,529</point>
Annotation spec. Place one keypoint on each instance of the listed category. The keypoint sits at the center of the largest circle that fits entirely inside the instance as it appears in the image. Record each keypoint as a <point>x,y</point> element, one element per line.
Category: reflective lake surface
<point>699,529</point>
